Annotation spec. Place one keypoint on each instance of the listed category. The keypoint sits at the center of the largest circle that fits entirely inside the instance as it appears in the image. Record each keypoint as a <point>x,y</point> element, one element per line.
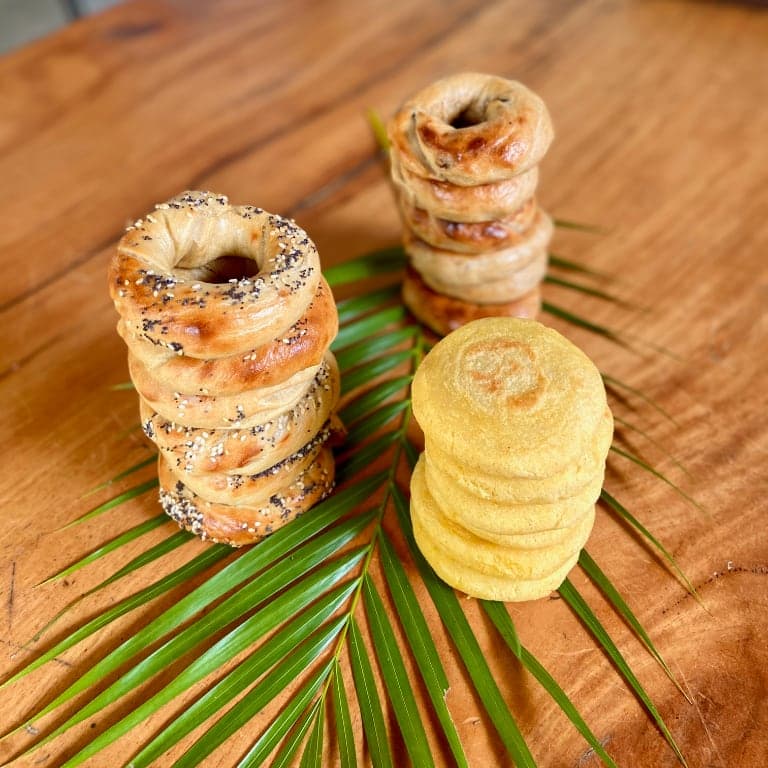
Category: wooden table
<point>661,121</point>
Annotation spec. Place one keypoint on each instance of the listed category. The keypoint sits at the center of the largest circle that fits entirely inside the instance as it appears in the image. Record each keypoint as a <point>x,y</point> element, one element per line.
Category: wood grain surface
<point>661,121</point>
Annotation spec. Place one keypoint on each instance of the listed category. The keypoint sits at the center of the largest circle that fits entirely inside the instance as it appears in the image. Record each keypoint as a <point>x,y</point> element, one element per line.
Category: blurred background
<point>25,20</point>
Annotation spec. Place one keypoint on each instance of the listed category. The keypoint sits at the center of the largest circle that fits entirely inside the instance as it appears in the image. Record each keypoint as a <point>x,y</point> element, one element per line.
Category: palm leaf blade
<point>506,628</point>
<point>579,606</point>
<point>395,678</point>
<point>110,546</point>
<point>595,573</point>
<point>455,622</point>
<point>369,265</point>
<point>365,456</point>
<point>313,752</point>
<point>122,475</point>
<point>360,376</point>
<point>235,573</point>
<point>354,307</point>
<point>272,685</point>
<point>131,493</point>
<point>581,322</point>
<point>372,398</point>
<point>280,726</point>
<point>368,700</point>
<point>374,421</point>
<point>367,326</point>
<point>655,472</point>
<point>612,381</point>
<point>422,645</point>
<point>344,735</point>
<point>147,556</point>
<point>367,349</point>
<point>237,640</point>
<point>623,512</point>
<point>555,260</point>
<point>203,561</point>
<point>244,674</point>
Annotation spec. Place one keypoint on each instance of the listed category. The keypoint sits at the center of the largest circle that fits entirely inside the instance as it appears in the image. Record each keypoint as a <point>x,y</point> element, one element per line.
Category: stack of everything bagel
<point>516,433</point>
<point>464,162</point>
<point>228,323</point>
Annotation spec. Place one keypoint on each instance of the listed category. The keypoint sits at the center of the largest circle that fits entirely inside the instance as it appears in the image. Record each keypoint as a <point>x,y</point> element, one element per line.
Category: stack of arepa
<point>516,430</point>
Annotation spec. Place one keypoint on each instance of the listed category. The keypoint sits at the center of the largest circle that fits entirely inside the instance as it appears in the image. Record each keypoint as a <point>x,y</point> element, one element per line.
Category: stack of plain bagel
<point>464,162</point>
<point>228,323</point>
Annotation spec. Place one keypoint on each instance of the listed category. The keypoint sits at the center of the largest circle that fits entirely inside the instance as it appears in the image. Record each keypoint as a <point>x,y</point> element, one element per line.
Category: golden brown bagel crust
<point>245,409</point>
<point>505,130</point>
<point>237,525</point>
<point>301,346</point>
<point>444,314</point>
<point>481,202</point>
<point>194,450</point>
<point>253,488</point>
<point>471,237</point>
<point>489,277</point>
<point>158,281</point>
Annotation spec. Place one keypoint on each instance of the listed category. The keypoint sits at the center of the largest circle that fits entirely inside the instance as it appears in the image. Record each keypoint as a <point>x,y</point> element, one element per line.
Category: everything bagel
<point>162,279</point>
<point>298,347</point>
<point>194,450</point>
<point>239,524</point>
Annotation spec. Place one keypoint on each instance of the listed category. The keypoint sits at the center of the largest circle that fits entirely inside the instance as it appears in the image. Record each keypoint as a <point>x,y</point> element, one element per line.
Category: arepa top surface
<point>509,397</point>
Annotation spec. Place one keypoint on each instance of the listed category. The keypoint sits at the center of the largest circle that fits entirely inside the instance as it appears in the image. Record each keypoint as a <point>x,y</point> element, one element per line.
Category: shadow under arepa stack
<point>464,163</point>
<point>228,323</point>
<point>516,432</point>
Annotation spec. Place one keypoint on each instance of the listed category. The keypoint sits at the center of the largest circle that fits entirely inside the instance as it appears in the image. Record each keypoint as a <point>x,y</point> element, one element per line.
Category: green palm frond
<point>322,604</point>
<point>659,475</point>
<point>506,629</point>
<point>581,608</point>
<point>619,509</point>
<point>122,475</point>
<point>560,262</point>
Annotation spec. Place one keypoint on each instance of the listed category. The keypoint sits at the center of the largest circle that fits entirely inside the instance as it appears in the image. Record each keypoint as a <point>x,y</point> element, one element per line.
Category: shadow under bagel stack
<point>228,323</point>
<point>464,156</point>
<point>516,432</point>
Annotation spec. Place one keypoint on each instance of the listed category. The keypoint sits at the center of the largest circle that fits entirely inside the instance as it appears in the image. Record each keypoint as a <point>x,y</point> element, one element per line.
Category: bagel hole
<point>467,117</point>
<point>228,267</point>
